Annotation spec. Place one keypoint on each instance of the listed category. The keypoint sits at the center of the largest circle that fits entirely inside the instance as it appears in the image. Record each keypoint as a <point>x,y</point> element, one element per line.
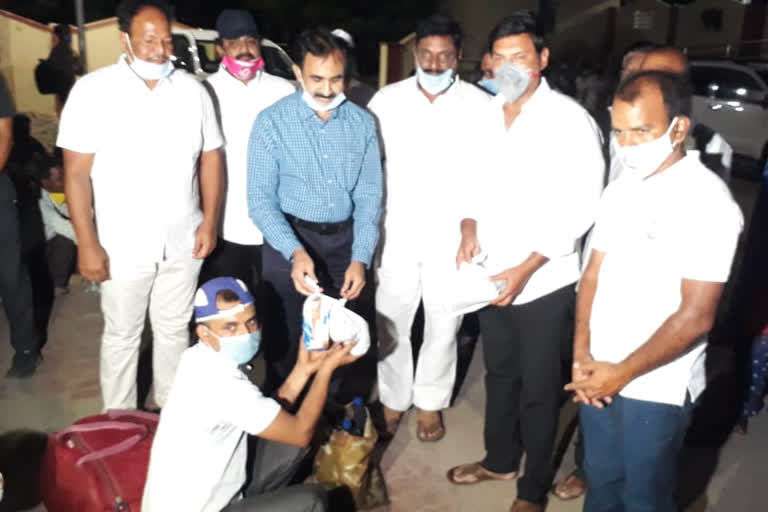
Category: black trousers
<point>273,466</point>
<point>61,253</point>
<point>234,260</point>
<point>523,348</point>
<point>15,287</point>
<point>282,304</point>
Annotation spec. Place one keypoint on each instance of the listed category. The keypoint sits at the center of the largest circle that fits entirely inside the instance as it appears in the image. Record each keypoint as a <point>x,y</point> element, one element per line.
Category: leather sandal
<point>473,473</point>
<point>570,488</point>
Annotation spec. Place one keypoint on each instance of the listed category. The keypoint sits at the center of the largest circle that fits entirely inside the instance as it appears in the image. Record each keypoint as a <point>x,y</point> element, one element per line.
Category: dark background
<point>280,20</point>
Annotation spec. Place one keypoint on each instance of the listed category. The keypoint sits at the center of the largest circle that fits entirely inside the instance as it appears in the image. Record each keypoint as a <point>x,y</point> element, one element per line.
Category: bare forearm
<point>313,403</point>
<point>79,201</point>
<point>211,185</point>
<point>672,339</point>
<point>293,386</point>
<point>584,301</point>
<point>469,227</point>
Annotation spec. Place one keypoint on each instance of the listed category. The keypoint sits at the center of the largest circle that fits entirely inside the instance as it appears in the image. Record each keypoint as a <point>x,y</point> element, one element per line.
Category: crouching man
<point>198,461</point>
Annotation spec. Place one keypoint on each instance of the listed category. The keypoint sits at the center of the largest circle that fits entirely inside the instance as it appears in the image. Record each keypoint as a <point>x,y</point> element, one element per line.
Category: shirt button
<point>325,156</point>
<point>332,205</point>
<point>330,181</point>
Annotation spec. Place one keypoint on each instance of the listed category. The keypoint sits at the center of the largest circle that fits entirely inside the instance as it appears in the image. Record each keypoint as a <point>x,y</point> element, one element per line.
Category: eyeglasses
<point>442,59</point>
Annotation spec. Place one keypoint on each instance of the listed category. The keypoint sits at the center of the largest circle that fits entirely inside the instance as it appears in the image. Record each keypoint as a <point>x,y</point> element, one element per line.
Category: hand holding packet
<point>326,319</point>
<point>470,288</point>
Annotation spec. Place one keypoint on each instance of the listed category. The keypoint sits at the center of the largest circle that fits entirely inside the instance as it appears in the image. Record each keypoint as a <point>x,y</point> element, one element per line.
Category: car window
<point>276,64</point>
<point>731,84</point>
<point>209,59</point>
<point>181,52</point>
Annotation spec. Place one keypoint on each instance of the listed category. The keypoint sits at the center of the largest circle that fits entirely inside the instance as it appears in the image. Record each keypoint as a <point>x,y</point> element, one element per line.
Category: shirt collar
<point>453,89</point>
<point>305,112</point>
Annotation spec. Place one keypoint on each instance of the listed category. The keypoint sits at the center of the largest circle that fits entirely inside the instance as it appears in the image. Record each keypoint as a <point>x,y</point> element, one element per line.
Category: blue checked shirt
<point>316,171</point>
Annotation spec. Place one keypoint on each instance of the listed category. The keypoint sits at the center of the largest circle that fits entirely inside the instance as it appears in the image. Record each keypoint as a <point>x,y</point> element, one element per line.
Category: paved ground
<point>66,388</point>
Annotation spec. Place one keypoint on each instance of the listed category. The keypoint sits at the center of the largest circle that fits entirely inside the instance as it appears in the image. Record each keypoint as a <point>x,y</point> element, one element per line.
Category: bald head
<point>670,60</point>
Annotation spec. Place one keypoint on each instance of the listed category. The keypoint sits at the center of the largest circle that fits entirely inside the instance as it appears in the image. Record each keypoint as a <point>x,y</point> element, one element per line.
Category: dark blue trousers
<point>631,454</point>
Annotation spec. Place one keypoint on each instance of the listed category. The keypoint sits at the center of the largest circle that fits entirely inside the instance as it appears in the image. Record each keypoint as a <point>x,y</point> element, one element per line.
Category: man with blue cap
<point>213,405</point>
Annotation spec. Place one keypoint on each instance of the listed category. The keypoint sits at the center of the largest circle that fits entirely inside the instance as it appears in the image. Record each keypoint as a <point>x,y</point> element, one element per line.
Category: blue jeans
<point>632,449</point>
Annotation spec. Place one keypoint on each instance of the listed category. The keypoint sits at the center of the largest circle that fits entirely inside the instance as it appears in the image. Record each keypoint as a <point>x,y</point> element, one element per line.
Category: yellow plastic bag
<point>353,461</point>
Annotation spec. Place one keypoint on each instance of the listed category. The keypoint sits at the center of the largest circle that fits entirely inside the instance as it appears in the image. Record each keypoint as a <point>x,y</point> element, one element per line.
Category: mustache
<point>322,96</point>
<point>245,56</point>
<point>435,71</point>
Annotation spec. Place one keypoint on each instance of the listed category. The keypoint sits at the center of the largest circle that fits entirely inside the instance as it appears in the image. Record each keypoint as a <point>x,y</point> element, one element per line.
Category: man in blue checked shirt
<point>314,191</point>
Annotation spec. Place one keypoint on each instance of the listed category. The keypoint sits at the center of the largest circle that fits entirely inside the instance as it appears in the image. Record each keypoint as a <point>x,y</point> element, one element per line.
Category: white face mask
<point>319,107</point>
<point>148,70</point>
<point>644,159</point>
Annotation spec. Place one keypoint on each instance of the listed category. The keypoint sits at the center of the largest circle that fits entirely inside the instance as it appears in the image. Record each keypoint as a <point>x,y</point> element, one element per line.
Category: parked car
<point>732,98</point>
<point>194,51</point>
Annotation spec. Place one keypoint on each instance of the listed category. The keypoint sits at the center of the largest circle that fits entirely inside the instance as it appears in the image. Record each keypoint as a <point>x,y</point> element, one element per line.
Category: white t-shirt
<point>536,187</point>
<point>200,449</point>
<point>428,163</point>
<point>679,224</point>
<point>146,145</point>
<point>239,104</point>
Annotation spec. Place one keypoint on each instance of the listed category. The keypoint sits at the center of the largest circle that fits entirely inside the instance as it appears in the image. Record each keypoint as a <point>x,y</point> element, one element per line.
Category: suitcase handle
<point>120,447</point>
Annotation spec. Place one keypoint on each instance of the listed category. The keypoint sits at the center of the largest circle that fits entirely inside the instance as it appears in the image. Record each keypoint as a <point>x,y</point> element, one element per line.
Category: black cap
<point>236,23</point>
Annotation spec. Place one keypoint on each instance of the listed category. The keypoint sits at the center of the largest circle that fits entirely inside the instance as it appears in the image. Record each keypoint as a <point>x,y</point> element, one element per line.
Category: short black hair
<point>128,9</point>
<point>520,22</point>
<point>62,31</point>
<point>319,42</point>
<point>675,90</point>
<point>440,25</point>
<point>39,166</point>
<point>640,47</point>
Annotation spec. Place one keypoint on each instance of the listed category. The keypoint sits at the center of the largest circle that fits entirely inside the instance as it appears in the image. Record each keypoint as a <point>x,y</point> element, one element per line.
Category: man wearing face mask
<point>213,406</point>
<point>662,250</point>
<point>433,110</point>
<point>531,203</point>
<point>241,89</point>
<point>139,129</point>
<point>314,191</point>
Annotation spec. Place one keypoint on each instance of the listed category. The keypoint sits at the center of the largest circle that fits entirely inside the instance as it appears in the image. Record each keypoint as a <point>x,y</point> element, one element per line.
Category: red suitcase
<point>99,464</point>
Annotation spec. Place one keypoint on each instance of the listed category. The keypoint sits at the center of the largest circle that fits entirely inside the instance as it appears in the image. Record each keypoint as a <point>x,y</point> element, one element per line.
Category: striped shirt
<point>316,171</point>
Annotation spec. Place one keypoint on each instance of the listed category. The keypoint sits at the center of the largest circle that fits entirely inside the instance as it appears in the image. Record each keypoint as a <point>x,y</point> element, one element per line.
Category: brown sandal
<point>468,474</point>
<point>430,431</point>
<point>570,488</point>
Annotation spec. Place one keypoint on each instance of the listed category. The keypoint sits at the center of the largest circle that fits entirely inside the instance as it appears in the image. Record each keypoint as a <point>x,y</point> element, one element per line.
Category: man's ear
<point>124,41</point>
<point>204,334</point>
<point>544,59</point>
<point>297,73</point>
<point>681,129</point>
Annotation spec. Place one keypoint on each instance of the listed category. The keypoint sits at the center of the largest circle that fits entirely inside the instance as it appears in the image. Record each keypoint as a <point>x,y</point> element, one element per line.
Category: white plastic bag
<point>326,319</point>
<point>470,288</point>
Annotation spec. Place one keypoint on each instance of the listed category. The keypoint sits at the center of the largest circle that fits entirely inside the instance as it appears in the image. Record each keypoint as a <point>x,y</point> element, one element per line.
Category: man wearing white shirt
<point>141,144</point>
<point>662,250</point>
<point>240,89</point>
<point>433,110</point>
<point>533,200</point>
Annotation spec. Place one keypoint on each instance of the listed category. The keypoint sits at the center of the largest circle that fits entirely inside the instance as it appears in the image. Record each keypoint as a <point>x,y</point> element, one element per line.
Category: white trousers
<point>400,289</point>
<point>168,290</point>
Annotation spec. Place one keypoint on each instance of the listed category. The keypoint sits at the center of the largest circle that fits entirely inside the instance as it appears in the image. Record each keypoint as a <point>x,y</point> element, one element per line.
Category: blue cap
<point>205,298</point>
<point>236,23</point>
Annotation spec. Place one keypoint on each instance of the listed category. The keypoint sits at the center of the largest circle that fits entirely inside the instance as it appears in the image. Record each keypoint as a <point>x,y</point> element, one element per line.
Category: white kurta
<point>428,158</point>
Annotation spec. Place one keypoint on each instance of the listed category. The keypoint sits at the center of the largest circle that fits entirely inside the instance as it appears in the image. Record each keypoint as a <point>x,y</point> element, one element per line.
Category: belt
<point>323,228</point>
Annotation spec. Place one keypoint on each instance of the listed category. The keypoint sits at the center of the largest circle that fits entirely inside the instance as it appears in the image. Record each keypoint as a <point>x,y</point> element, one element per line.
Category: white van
<point>732,99</point>
<point>194,51</point>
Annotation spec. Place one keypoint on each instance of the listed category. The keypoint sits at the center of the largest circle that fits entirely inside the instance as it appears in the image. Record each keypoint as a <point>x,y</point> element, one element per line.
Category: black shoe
<point>24,365</point>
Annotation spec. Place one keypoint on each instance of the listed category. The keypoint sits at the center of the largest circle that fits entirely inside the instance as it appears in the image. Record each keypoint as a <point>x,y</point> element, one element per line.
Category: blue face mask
<point>319,107</point>
<point>241,348</point>
<point>490,85</point>
<point>434,84</point>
